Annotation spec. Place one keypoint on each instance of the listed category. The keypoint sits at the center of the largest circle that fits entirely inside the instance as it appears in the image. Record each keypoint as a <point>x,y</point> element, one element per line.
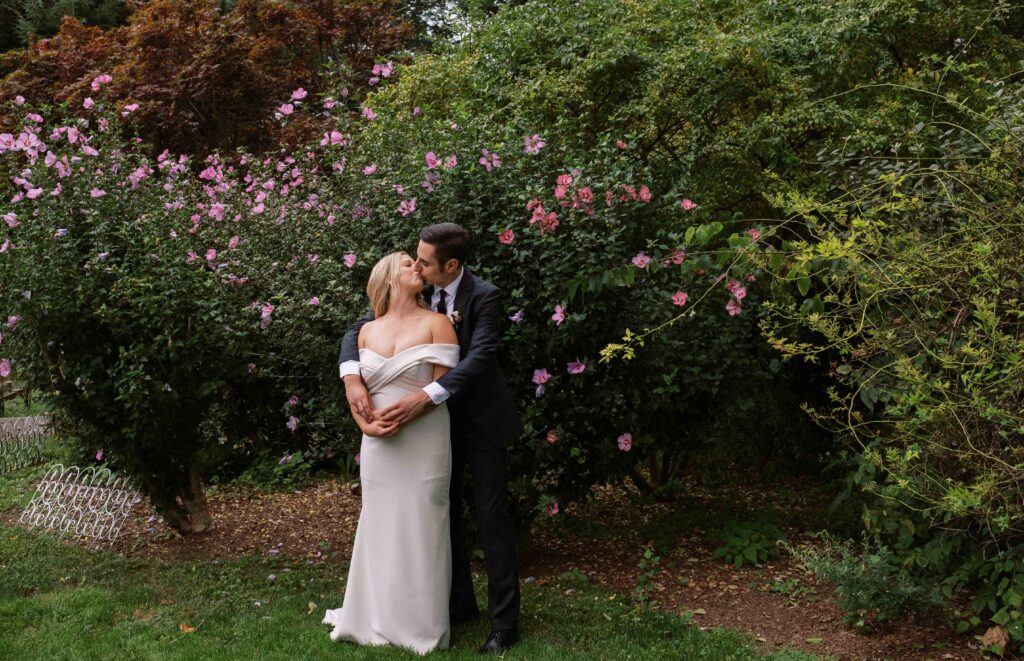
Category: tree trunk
<point>187,512</point>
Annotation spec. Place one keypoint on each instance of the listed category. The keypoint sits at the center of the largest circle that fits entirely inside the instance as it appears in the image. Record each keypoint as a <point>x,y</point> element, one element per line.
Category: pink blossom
<point>33,193</point>
<point>386,69</point>
<point>687,204</point>
<point>292,401</point>
<point>5,368</point>
<point>72,134</point>
<point>507,237</point>
<point>11,219</point>
<point>549,223</point>
<point>432,160</point>
<point>369,114</point>
<point>349,260</point>
<point>416,112</point>
<point>451,161</point>
<point>564,180</point>
<point>19,100</point>
<point>620,144</point>
<point>89,151</point>
<point>489,160</point>
<point>233,243</point>
<point>329,103</point>
<point>131,107</point>
<point>286,109</point>
<point>258,209</point>
<point>677,257</point>
<point>5,246</point>
<point>299,94</point>
<point>97,192</point>
<point>751,277</point>
<point>552,436</point>
<point>680,298</point>
<point>99,81</point>
<point>99,455</point>
<point>517,317</point>
<point>34,118</point>
<point>559,316</point>
<point>292,423</point>
<point>736,289</point>
<point>625,442</point>
<point>552,509</point>
<point>560,191</point>
<point>754,233</point>
<point>541,376</point>
<point>373,81</point>
<point>315,300</point>
<point>12,321</point>
<point>344,92</point>
<point>358,458</point>
<point>370,169</point>
<point>266,311</point>
<point>608,196</point>
<point>216,211</point>
<point>332,138</point>
<point>191,257</point>
<point>575,367</point>
<point>585,195</point>
<point>645,194</point>
<point>406,207</point>
<point>532,144</point>
<point>211,254</point>
<point>641,260</point>
<point>733,307</point>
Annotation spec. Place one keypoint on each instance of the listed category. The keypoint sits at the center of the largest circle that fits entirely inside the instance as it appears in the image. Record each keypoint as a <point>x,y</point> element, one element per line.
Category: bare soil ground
<point>602,539</point>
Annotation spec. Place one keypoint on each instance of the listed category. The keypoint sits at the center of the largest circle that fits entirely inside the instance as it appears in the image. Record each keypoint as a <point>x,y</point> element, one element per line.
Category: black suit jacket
<point>480,403</point>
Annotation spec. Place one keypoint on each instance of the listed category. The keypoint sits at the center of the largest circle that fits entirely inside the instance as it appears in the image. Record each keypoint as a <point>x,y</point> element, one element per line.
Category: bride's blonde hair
<point>383,283</point>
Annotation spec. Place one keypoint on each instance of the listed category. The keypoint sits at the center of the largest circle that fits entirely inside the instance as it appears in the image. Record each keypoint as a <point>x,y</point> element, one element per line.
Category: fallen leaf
<point>813,641</point>
<point>699,611</point>
<point>186,628</point>
<point>311,606</point>
<point>996,636</point>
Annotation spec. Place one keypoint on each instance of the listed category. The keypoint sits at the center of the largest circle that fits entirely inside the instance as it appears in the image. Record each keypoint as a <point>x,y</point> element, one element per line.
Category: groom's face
<point>430,269</point>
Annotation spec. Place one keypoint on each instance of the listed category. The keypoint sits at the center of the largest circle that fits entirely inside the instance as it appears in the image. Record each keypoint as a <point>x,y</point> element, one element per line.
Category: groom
<point>484,422</point>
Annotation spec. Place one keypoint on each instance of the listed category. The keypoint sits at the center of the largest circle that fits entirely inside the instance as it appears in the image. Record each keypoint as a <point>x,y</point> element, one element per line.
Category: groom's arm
<point>348,367</point>
<point>483,345</point>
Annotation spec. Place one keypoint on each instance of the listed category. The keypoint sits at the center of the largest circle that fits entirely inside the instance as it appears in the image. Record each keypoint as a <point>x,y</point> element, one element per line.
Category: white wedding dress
<point>400,577</point>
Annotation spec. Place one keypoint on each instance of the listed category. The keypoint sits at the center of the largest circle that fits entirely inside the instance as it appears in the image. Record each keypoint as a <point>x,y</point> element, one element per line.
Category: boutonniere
<point>456,318</point>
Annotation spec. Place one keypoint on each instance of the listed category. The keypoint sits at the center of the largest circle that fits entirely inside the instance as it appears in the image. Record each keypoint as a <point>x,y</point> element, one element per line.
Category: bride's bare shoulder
<point>441,329</point>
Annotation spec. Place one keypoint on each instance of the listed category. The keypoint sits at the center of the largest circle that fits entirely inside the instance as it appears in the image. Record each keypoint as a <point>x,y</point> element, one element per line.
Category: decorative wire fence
<point>86,502</point>
<point>21,441</point>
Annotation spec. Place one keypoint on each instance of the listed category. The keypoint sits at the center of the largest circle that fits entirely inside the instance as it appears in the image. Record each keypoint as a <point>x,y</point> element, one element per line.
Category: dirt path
<point>778,604</point>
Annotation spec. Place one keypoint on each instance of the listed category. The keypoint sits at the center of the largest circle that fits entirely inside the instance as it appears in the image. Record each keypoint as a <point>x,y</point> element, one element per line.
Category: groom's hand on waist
<point>407,409</point>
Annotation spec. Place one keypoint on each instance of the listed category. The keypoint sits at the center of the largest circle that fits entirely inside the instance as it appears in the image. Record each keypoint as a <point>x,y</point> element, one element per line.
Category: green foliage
<point>22,20</point>
<point>271,473</point>
<point>873,586</point>
<point>748,542</point>
<point>649,568</point>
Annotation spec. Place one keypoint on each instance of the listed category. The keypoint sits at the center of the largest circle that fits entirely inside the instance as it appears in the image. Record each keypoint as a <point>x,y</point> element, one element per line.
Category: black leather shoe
<point>499,642</point>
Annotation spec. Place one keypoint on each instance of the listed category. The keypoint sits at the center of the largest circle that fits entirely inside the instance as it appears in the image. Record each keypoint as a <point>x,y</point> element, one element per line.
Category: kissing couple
<point>423,383</point>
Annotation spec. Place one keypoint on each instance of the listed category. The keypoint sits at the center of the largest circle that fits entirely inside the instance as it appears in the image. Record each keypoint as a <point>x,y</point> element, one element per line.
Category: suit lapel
<point>462,297</point>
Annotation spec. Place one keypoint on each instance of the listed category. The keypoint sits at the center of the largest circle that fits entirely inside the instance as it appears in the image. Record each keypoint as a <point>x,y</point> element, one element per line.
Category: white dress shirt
<point>434,390</point>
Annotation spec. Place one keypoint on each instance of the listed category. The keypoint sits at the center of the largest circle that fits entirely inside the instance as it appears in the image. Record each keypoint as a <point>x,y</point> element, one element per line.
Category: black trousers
<point>489,470</point>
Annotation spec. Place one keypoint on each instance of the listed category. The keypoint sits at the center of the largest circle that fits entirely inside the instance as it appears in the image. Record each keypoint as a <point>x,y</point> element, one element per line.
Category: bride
<point>400,576</point>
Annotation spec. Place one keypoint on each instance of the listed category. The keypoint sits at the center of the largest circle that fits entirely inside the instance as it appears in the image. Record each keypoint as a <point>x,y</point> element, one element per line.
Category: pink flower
<point>370,169</point>
<point>645,194</point>
<point>564,180</point>
<point>233,243</point>
<point>131,107</point>
<point>286,109</point>
<point>432,160</point>
<point>507,237</point>
<point>329,103</point>
<point>332,138</point>
<point>688,205</point>
<point>575,367</point>
<point>266,311</point>
<point>677,257</point>
<point>416,112</point>
<point>552,436</point>
<point>585,195</point>
<point>373,81</point>
<point>754,233</point>
<point>608,197</point>
<point>358,458</point>
<point>5,368</point>
<point>559,316</point>
<point>369,114</point>
<point>541,376</point>
<point>19,100</point>
<point>620,144</point>
<point>12,321</point>
<point>451,161</point>
<point>314,301</point>
<point>11,219</point>
<point>97,192</point>
<point>733,307</point>
<point>641,260</point>
<point>406,207</point>
<point>736,289</point>
<point>560,191</point>
<point>5,246</point>
<point>211,255</point>
<point>299,94</point>
<point>386,69</point>
<point>625,442</point>
<point>344,92</point>
<point>99,81</point>
<point>349,260</point>
<point>751,277</point>
<point>489,160</point>
<point>680,298</point>
<point>99,455</point>
<point>292,423</point>
<point>191,257</point>
<point>33,193</point>
<point>548,223</point>
<point>553,509</point>
<point>532,144</point>
<point>517,317</point>
<point>292,401</point>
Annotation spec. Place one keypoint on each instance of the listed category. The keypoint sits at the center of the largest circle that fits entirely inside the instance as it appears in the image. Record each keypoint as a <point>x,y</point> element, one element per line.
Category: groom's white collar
<point>453,287</point>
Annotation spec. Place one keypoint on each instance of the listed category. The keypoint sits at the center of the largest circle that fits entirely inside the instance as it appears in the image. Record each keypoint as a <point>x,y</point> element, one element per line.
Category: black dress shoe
<point>499,642</point>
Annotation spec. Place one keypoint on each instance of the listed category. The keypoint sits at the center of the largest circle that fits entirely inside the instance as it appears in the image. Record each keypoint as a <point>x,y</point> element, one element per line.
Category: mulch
<point>317,524</point>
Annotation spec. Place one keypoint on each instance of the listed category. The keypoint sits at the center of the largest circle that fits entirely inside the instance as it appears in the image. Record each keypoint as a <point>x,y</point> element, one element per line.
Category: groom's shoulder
<point>485,286</point>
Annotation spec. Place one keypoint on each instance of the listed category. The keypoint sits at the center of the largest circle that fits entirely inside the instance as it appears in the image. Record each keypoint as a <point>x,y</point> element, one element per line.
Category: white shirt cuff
<point>436,392</point>
<point>349,367</point>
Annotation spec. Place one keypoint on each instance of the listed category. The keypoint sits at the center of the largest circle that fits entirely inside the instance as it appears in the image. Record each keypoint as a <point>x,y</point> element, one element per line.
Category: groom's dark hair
<point>450,241</point>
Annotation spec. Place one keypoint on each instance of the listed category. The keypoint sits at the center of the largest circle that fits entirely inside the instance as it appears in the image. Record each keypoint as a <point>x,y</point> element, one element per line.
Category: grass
<point>61,601</point>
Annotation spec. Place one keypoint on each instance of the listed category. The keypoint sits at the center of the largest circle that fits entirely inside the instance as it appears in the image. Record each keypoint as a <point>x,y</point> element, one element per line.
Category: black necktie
<point>442,307</point>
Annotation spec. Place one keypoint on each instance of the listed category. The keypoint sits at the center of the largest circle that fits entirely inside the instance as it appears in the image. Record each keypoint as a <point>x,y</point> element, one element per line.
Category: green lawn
<point>59,601</point>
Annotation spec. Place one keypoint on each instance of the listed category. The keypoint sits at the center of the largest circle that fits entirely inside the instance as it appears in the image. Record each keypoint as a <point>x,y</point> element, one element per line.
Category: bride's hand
<point>380,429</point>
